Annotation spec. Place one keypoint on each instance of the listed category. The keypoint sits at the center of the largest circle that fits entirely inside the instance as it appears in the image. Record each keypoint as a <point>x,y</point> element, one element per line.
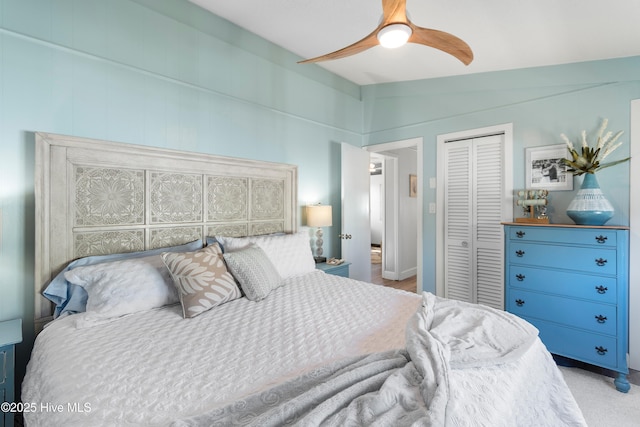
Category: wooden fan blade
<point>442,41</point>
<point>366,43</point>
<point>394,11</point>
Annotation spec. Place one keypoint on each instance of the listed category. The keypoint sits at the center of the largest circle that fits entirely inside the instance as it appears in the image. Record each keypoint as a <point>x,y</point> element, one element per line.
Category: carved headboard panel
<point>96,197</point>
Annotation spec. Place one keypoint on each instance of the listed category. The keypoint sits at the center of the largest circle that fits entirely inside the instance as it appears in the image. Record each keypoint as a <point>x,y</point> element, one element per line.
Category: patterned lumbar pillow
<point>254,271</point>
<point>202,279</point>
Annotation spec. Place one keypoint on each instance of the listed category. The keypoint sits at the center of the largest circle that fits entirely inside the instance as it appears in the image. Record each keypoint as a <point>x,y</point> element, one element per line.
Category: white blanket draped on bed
<point>397,388</point>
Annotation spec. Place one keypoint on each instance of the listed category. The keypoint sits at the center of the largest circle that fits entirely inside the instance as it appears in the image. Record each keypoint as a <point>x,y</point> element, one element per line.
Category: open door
<point>356,232</point>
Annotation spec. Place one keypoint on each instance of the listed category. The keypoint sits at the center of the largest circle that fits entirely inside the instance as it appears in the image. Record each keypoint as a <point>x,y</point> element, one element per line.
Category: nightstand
<point>10,335</point>
<point>336,270</point>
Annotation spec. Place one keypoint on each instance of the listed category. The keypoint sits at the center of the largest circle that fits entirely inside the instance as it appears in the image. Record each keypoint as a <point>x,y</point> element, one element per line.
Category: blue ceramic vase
<point>589,206</point>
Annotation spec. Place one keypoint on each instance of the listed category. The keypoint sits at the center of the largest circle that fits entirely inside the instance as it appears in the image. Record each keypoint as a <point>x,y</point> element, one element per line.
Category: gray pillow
<point>253,270</point>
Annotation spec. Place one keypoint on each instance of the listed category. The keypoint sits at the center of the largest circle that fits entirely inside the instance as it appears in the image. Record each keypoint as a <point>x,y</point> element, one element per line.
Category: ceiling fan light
<point>394,35</point>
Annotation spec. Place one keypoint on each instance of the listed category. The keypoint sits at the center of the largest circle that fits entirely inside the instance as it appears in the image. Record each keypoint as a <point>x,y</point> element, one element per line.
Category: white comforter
<point>153,368</point>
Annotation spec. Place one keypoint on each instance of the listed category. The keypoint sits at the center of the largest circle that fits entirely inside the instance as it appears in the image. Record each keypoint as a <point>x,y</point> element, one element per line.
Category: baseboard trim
<point>408,273</point>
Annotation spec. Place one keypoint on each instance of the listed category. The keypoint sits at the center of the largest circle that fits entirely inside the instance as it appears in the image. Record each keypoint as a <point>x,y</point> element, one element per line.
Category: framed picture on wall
<point>413,186</point>
<point>545,170</point>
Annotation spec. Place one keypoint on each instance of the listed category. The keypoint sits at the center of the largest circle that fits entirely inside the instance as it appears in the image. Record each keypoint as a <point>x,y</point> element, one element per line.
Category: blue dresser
<point>572,283</point>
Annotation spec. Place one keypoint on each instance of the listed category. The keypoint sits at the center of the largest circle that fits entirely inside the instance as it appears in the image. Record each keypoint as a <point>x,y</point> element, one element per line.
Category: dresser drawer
<point>570,236</point>
<point>600,318</point>
<point>584,259</point>
<point>595,288</point>
<point>586,346</point>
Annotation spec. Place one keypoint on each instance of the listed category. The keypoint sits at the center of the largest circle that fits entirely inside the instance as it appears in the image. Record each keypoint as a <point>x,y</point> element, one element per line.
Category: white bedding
<point>155,367</point>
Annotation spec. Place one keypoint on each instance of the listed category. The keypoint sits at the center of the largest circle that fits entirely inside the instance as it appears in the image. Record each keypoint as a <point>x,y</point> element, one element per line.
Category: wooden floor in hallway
<point>409,284</point>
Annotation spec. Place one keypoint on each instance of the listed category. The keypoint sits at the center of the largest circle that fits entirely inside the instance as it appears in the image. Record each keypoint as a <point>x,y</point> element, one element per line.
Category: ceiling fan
<point>395,30</point>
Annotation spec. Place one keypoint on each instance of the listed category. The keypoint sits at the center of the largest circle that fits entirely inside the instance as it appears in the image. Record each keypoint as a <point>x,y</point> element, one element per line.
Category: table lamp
<point>319,216</point>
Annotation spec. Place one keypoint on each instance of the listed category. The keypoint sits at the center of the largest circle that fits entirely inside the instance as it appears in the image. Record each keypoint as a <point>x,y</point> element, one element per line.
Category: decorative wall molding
<point>176,81</point>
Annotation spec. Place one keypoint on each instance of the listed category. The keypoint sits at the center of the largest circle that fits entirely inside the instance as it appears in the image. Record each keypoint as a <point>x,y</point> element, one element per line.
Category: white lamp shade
<point>319,216</point>
<point>394,35</point>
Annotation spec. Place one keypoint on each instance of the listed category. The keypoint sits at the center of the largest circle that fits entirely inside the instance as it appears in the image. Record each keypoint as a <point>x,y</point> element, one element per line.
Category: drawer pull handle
<point>601,262</point>
<point>520,234</point>
<point>520,253</point>
<point>519,302</point>
<point>520,277</point>
<point>601,319</point>
<point>601,289</point>
<point>601,239</point>
<point>601,350</point>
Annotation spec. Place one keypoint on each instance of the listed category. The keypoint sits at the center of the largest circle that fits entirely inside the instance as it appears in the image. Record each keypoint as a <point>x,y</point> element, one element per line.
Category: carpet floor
<point>601,404</point>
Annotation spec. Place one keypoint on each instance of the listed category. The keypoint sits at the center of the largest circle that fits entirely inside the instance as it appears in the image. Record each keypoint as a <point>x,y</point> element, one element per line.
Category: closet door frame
<point>634,238</point>
<point>507,203</point>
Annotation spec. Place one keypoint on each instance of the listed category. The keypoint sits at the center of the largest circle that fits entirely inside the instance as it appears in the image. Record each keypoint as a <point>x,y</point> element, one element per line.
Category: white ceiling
<point>503,34</point>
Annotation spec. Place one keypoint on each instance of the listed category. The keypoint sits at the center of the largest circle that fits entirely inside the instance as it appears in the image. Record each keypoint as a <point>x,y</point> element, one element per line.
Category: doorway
<point>396,212</point>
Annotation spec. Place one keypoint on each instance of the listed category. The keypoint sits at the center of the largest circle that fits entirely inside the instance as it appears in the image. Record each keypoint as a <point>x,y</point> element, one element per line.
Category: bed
<point>178,290</point>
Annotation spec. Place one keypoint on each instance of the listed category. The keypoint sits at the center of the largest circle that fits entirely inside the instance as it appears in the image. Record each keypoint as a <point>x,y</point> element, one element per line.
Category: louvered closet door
<point>458,213</point>
<point>473,212</point>
<point>488,235</point>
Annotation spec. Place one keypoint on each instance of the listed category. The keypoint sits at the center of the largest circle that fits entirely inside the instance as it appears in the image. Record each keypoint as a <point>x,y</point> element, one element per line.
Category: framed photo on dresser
<point>544,168</point>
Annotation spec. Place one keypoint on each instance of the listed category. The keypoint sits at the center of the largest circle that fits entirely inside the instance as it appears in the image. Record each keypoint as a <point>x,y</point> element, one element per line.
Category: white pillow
<point>122,287</point>
<point>289,253</point>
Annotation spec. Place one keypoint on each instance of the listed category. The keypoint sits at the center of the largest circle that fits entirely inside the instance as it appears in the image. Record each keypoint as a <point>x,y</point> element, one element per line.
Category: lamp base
<point>320,259</point>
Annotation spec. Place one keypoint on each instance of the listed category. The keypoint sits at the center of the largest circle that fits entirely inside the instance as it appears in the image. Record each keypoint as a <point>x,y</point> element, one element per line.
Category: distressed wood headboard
<point>96,197</point>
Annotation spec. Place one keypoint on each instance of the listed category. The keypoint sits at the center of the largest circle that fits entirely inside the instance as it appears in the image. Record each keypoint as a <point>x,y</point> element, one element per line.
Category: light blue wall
<point>160,73</point>
<point>541,103</point>
<point>163,73</point>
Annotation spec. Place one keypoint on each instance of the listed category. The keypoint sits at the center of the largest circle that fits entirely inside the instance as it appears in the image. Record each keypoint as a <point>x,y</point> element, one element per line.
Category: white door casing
<point>634,238</point>
<point>387,209</point>
<point>356,227</point>
<point>390,267</point>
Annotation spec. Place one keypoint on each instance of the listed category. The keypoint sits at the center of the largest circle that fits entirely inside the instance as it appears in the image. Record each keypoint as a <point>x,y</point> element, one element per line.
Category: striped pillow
<point>254,271</point>
<point>202,279</point>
